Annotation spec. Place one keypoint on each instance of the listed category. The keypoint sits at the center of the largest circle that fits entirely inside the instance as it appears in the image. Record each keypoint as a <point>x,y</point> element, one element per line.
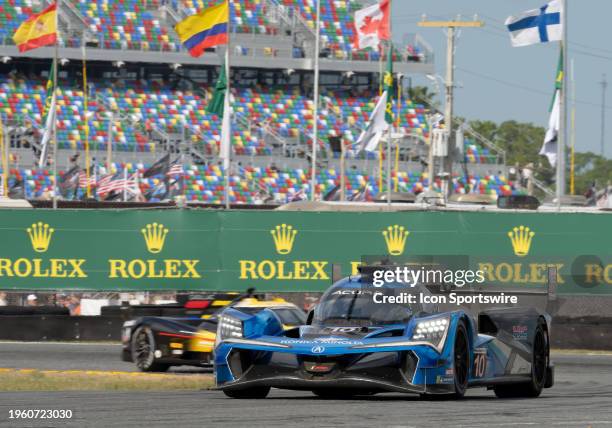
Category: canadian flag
<point>372,25</point>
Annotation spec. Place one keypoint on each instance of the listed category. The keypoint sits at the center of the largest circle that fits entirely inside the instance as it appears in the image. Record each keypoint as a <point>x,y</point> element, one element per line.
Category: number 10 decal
<point>480,364</point>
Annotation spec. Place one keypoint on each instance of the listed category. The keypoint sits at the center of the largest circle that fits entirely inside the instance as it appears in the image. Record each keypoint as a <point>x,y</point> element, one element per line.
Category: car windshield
<point>356,306</point>
<point>290,316</point>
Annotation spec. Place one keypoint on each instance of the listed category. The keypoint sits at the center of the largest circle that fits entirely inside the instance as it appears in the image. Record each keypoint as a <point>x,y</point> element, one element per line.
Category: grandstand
<point>147,97</point>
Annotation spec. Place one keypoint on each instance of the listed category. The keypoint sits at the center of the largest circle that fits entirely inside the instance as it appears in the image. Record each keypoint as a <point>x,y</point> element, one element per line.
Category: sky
<point>498,82</point>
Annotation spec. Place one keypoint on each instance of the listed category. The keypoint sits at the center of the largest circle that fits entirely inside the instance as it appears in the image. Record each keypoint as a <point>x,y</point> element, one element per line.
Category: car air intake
<point>409,365</point>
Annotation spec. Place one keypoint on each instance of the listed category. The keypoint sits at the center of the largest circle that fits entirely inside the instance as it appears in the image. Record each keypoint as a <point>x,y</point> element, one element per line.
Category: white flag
<point>226,138</point>
<point>44,144</point>
<point>370,137</point>
<point>549,148</point>
<point>541,25</point>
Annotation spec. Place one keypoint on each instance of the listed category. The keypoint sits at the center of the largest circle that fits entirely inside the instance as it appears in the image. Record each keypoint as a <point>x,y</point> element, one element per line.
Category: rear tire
<point>143,351</point>
<point>539,367</point>
<point>251,393</point>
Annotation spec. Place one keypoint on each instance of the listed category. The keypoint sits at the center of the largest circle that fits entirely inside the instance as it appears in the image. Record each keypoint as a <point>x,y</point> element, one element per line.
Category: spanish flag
<point>38,30</point>
<point>205,29</point>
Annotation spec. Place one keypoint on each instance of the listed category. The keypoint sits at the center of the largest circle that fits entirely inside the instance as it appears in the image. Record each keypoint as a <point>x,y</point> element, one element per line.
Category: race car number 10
<point>480,364</point>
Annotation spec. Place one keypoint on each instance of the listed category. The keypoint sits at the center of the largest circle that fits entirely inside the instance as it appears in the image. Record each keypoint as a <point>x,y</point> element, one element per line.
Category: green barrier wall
<point>214,250</point>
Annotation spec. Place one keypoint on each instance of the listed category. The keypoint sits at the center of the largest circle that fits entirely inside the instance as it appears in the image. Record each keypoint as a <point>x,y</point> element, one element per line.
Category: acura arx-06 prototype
<point>352,345</point>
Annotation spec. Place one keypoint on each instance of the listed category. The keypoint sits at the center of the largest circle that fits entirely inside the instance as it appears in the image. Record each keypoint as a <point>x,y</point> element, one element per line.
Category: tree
<point>422,95</point>
<point>522,143</point>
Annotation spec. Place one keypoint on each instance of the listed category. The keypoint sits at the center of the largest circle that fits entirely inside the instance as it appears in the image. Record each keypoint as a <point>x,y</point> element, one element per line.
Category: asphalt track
<point>582,397</point>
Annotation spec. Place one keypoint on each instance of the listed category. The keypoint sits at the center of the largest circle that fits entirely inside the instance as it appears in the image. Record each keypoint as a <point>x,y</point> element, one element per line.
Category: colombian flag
<point>38,30</point>
<point>205,29</point>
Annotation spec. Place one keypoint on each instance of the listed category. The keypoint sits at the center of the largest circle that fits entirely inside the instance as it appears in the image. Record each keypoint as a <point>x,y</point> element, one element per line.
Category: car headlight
<point>432,331</point>
<point>228,327</point>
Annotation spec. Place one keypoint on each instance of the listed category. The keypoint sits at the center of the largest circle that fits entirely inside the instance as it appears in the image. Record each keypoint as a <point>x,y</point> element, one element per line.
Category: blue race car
<point>353,344</point>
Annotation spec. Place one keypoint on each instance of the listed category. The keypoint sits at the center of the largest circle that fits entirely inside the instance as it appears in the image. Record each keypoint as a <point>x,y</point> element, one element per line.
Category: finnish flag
<point>541,25</point>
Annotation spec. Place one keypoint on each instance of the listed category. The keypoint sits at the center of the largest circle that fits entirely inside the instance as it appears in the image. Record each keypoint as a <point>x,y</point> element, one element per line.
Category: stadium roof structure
<point>214,59</point>
<point>270,34</point>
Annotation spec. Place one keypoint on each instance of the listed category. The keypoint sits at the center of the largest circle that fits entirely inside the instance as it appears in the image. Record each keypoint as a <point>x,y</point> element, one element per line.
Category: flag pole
<point>86,119</point>
<point>397,125</point>
<point>342,172</point>
<point>315,131</point>
<point>562,138</point>
<point>125,183</point>
<point>573,132</point>
<point>55,145</point>
<point>228,161</point>
<point>109,143</point>
<point>389,132</point>
<point>5,155</point>
<point>380,91</point>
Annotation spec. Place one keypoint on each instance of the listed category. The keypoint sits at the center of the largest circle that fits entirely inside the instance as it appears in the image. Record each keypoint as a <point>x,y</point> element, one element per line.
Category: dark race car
<point>157,343</point>
<point>352,345</point>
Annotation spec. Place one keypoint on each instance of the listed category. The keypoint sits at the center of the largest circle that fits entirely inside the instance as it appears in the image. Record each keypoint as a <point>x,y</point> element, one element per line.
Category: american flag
<point>83,180</point>
<point>175,169</point>
<point>112,183</point>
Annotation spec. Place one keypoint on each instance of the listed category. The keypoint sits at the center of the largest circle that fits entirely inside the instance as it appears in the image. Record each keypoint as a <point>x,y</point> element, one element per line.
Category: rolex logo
<point>395,237</point>
<point>284,236</point>
<point>521,240</point>
<point>154,236</point>
<point>40,235</point>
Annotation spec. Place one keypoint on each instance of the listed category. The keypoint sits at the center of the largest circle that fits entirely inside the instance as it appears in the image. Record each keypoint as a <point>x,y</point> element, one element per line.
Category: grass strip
<point>87,380</point>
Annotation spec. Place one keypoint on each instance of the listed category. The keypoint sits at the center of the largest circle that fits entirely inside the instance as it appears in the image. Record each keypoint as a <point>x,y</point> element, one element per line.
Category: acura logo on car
<point>318,349</point>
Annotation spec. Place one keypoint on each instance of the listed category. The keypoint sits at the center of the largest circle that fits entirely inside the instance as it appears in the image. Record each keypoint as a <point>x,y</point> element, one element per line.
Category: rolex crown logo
<point>395,237</point>
<point>521,240</point>
<point>154,236</point>
<point>284,236</point>
<point>40,235</point>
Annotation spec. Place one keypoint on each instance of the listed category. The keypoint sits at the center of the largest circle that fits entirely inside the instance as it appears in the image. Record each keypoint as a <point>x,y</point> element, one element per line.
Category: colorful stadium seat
<point>206,183</point>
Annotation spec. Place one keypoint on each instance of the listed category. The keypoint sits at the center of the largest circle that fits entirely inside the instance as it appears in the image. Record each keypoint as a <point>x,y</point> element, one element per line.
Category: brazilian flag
<point>49,97</point>
<point>49,118</point>
<point>388,86</point>
<point>559,80</point>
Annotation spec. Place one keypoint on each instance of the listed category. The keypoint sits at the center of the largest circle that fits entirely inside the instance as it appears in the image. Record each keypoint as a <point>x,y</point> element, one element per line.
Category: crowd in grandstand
<point>159,113</point>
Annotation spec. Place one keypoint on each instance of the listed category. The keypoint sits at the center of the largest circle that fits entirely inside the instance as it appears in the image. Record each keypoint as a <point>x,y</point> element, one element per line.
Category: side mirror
<point>309,317</point>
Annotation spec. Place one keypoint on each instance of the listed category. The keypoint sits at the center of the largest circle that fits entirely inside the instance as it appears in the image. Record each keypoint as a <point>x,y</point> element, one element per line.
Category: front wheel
<point>461,359</point>
<point>539,368</point>
<point>461,366</point>
<point>252,393</point>
<point>143,351</point>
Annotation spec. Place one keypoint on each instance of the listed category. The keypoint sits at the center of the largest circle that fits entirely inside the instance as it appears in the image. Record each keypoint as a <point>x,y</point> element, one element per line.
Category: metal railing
<point>543,187</point>
<point>499,152</point>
